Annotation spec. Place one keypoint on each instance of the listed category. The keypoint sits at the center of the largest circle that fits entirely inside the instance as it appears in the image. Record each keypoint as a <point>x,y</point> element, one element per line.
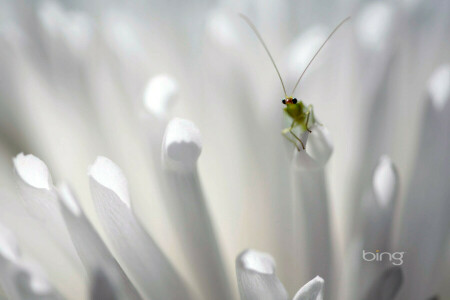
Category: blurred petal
<point>386,286</point>
<point>161,90</point>
<point>103,287</point>
<point>9,248</point>
<point>37,243</point>
<point>385,181</point>
<point>374,25</point>
<point>376,218</point>
<point>425,221</point>
<point>439,87</point>
<point>92,251</point>
<point>9,253</point>
<point>303,49</point>
<point>21,279</point>
<point>143,261</point>
<point>256,277</point>
<point>379,206</point>
<point>31,283</point>
<point>35,185</point>
<point>189,211</point>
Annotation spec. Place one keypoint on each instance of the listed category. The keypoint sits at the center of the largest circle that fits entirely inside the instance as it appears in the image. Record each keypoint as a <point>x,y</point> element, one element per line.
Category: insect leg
<point>298,139</point>
<point>284,132</point>
<point>307,120</point>
<point>308,113</point>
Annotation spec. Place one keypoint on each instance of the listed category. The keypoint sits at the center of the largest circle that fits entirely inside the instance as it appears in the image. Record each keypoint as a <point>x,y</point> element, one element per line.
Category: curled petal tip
<point>304,47</point>
<point>221,29</point>
<point>51,16</point>
<point>256,277</point>
<point>374,25</point>
<point>385,181</point>
<point>182,144</point>
<point>312,290</point>
<point>160,91</point>
<point>318,149</point>
<point>75,27</point>
<point>32,171</point>
<point>439,87</point>
<point>256,261</point>
<point>109,175</point>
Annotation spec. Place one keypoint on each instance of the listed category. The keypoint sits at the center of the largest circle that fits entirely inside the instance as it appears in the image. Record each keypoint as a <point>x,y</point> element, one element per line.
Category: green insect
<point>302,116</point>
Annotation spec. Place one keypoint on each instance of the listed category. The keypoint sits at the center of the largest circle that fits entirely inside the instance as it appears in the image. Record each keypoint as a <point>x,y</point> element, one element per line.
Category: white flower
<point>176,108</point>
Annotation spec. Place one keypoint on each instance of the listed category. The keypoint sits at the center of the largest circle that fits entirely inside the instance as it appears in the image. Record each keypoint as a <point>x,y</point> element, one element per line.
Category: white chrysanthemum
<point>158,171</point>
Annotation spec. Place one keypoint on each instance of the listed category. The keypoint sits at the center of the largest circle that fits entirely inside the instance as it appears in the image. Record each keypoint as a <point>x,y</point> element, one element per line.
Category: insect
<point>302,116</point>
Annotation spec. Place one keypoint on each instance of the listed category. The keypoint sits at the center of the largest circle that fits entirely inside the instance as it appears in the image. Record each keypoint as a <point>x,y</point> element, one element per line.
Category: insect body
<point>302,116</point>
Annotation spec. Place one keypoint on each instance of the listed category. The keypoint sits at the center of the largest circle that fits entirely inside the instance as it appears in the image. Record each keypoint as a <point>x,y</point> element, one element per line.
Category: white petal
<point>104,287</point>
<point>385,181</point>
<point>40,201</point>
<point>318,149</point>
<point>376,219</point>
<point>439,87</point>
<point>256,277</point>
<point>182,144</point>
<point>32,171</point>
<point>143,261</point>
<point>374,25</point>
<point>386,286</point>
<point>109,175</point>
<point>51,16</point>
<point>68,201</point>
<point>93,253</point>
<point>9,255</point>
<point>312,226</point>
<point>191,218</point>
<point>74,27</point>
<point>161,90</point>
<point>9,248</point>
<point>40,244</point>
<point>311,213</point>
<point>311,291</point>
<point>425,215</point>
<point>303,48</point>
<point>32,284</point>
<point>221,29</point>
<point>21,279</point>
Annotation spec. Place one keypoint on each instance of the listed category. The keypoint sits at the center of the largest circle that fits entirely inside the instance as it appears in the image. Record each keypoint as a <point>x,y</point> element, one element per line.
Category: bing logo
<point>396,258</point>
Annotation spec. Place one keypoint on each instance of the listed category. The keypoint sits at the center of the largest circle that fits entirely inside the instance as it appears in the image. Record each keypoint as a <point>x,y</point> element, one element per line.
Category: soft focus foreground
<point>158,164</point>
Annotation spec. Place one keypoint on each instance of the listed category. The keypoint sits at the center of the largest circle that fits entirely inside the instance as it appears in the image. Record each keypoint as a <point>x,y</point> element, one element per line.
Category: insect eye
<point>294,100</point>
<point>283,101</point>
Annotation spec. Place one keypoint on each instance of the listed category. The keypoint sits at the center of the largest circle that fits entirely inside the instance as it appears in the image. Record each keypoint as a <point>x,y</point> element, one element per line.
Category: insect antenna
<point>265,47</point>
<point>312,59</point>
